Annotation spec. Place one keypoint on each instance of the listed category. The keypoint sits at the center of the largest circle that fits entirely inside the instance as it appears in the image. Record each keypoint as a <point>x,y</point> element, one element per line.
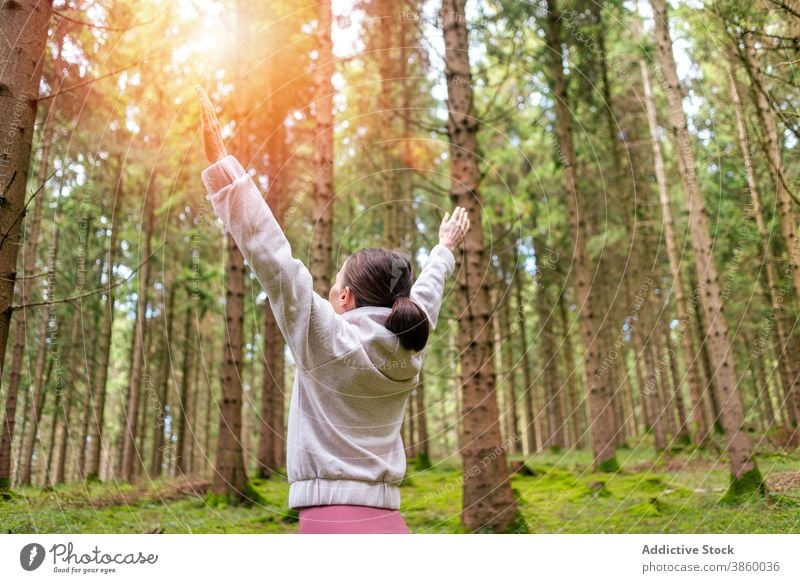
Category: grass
<point>677,493</point>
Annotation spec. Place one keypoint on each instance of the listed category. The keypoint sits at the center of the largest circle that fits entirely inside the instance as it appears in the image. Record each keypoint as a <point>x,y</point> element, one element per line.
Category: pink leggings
<point>347,519</point>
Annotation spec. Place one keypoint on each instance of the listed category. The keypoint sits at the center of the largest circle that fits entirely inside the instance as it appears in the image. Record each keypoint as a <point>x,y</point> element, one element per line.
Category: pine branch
<point>108,287</point>
<point>101,77</point>
<point>22,211</point>
<point>101,27</point>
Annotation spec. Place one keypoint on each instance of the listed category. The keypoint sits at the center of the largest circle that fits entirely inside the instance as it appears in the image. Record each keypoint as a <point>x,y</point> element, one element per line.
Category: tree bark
<point>518,326</point>
<point>488,502</point>
<point>745,475</point>
<point>24,23</point>
<point>789,348</point>
<point>699,429</point>
<point>157,459</point>
<point>77,333</point>
<point>322,196</point>
<point>97,396</point>
<point>508,360</point>
<point>577,410</point>
<point>423,448</point>
<point>182,409</point>
<point>601,425</point>
<point>268,433</point>
<point>130,451</point>
<point>772,149</point>
<point>38,390</point>
<point>556,426</point>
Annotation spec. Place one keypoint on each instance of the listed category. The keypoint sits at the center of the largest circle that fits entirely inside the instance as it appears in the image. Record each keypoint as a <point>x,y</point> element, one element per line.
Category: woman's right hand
<point>454,228</point>
<point>213,145</point>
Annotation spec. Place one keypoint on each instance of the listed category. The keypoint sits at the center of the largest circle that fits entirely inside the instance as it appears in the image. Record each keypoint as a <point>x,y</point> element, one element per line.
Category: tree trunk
<point>503,409</point>
<point>230,477</point>
<point>411,442</point>
<point>488,502</point>
<point>89,368</point>
<point>789,351</point>
<point>684,436</point>
<point>772,148</point>
<point>699,429</point>
<point>130,451</point>
<point>157,459</point>
<point>423,448</point>
<point>38,390</point>
<point>529,444</point>
<point>662,364</point>
<point>508,360</point>
<point>267,463</point>
<point>322,196</point>
<point>97,395</point>
<point>182,410</point>
<point>230,474</point>
<point>26,22</point>
<point>555,437</point>
<point>26,293</point>
<point>601,425</point>
<point>194,442</point>
<point>577,412</point>
<point>74,363</point>
<point>745,475</point>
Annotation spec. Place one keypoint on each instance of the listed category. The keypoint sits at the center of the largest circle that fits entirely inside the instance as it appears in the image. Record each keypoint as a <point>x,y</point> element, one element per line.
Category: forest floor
<point>675,493</point>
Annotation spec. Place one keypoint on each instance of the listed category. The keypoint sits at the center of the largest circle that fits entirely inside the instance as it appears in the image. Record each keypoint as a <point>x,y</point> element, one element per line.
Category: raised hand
<point>453,229</point>
<point>212,136</point>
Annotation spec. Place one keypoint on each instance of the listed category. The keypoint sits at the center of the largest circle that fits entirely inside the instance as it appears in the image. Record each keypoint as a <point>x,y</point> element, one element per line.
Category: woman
<point>358,355</point>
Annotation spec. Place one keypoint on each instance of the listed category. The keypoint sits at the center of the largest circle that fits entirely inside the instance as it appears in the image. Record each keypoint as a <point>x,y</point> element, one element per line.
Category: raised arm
<point>428,289</point>
<point>314,332</point>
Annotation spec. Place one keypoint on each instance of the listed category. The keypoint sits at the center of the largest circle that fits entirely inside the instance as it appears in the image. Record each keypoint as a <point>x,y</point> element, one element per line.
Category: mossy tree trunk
<point>745,475</point>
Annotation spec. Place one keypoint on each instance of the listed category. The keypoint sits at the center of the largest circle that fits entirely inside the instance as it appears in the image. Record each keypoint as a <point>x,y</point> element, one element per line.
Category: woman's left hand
<point>212,136</point>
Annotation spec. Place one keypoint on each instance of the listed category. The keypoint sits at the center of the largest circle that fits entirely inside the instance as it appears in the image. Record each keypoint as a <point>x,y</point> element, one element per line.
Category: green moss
<point>422,462</point>
<point>610,465</point>
<point>650,508</point>
<point>749,485</point>
<point>249,496</point>
<point>599,489</point>
<point>291,516</point>
<point>647,497</point>
<point>407,481</point>
<point>518,525</point>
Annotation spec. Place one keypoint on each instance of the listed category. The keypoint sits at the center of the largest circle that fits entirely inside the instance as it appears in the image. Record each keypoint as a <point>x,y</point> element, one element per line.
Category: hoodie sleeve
<point>313,330</point>
<point>428,288</point>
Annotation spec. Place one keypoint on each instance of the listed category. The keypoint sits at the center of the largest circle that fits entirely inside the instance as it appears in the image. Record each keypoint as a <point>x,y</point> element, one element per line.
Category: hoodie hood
<point>382,346</point>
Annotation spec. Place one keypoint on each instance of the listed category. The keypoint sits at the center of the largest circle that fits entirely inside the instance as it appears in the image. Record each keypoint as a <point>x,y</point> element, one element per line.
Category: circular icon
<point>31,556</point>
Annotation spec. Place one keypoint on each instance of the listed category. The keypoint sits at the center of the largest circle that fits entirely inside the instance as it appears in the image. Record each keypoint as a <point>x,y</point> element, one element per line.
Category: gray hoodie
<point>352,379</point>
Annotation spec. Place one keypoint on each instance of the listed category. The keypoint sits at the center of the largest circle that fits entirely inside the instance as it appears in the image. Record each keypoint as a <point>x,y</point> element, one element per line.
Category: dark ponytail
<point>379,277</point>
<point>409,322</point>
